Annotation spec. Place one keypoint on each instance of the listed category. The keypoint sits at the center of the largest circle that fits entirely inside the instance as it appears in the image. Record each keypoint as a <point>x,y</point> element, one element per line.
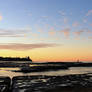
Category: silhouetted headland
<point>15,59</point>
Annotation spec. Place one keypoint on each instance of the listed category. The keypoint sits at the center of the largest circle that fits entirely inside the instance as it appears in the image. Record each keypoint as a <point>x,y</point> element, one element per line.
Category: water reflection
<point>72,70</point>
<point>8,72</point>
<point>9,69</point>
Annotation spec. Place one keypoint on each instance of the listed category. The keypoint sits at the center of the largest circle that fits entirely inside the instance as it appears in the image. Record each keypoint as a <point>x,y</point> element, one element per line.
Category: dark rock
<point>5,84</point>
<point>40,83</point>
<point>52,83</point>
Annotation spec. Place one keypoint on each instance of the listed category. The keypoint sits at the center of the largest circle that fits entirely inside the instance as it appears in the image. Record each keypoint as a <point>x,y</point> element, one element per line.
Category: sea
<point>72,70</point>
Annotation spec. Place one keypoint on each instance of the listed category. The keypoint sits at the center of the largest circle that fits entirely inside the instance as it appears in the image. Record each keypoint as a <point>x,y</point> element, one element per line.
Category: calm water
<point>72,70</point>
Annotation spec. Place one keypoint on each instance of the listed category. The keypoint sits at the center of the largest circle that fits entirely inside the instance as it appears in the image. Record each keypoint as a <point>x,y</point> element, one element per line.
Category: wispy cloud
<point>13,32</point>
<point>90,24</point>
<point>30,14</point>
<point>40,30</point>
<point>52,33</point>
<point>46,17</point>
<point>75,24</point>
<point>65,20</point>
<point>78,33</point>
<point>90,37</point>
<point>89,13</point>
<point>1,17</point>
<point>84,20</point>
<point>82,32</point>
<point>62,13</point>
<point>89,31</point>
<point>66,32</point>
<point>17,46</point>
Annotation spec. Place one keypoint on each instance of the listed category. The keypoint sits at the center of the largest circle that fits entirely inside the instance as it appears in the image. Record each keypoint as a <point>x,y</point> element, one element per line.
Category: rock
<point>5,84</point>
<point>74,83</point>
<point>40,83</point>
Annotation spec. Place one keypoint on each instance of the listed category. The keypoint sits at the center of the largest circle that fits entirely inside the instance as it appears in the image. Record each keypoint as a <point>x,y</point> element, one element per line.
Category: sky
<point>46,30</point>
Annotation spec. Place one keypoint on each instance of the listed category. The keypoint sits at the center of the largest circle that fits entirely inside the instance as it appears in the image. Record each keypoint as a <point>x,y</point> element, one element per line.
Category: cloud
<point>1,17</point>
<point>84,20</point>
<point>75,24</point>
<point>66,32</point>
<point>90,37</point>
<point>91,25</point>
<point>13,32</point>
<point>89,31</point>
<point>17,46</point>
<point>62,13</point>
<point>30,14</point>
<point>81,32</point>
<point>46,17</point>
<point>78,33</point>
<point>40,30</point>
<point>89,13</point>
<point>52,33</point>
<point>65,20</point>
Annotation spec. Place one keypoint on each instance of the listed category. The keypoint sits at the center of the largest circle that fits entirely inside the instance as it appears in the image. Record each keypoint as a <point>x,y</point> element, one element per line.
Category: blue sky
<point>35,15</point>
<point>67,23</point>
<point>19,13</point>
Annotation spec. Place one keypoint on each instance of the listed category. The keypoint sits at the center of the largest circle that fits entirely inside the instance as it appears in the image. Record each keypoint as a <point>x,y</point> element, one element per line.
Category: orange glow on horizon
<point>49,55</point>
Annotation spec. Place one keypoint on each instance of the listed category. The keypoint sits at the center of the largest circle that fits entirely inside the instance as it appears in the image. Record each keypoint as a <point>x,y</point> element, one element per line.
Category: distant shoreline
<point>15,59</point>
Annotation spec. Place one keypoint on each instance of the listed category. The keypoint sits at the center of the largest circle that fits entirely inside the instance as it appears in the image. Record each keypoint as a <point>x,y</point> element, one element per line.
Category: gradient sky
<point>46,30</point>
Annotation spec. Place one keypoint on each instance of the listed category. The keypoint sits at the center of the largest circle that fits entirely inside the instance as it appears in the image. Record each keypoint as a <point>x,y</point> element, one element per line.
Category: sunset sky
<point>46,30</point>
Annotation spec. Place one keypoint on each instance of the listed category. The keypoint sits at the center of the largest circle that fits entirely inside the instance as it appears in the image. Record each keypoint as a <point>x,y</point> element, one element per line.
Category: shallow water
<point>72,70</point>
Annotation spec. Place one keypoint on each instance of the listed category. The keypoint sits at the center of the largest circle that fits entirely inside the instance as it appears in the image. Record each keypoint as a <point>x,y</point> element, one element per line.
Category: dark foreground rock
<point>38,83</point>
<point>70,83</point>
<point>5,84</point>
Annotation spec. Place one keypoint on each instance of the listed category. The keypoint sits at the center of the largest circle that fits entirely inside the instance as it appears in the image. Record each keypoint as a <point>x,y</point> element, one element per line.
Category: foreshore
<point>38,83</point>
<point>45,83</point>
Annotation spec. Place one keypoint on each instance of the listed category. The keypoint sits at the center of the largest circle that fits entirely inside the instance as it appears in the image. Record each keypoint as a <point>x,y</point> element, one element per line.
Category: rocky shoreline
<point>40,83</point>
